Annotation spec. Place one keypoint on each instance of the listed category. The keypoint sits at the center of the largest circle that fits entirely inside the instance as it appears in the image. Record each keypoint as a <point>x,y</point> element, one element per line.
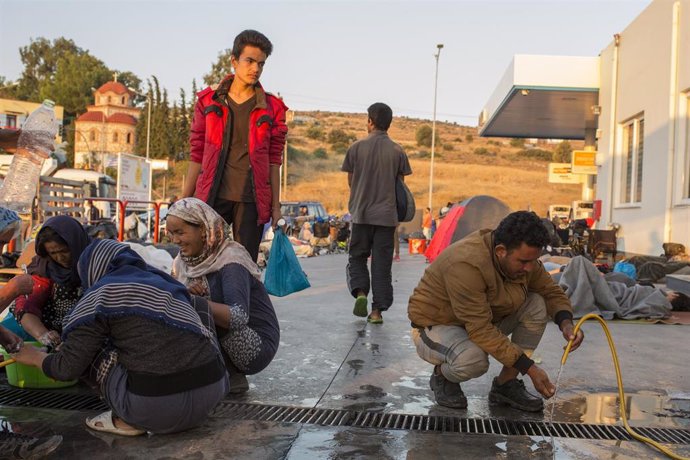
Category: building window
<point>633,160</point>
<point>115,137</point>
<point>129,138</point>
<point>92,135</point>
<point>123,100</point>
<point>108,99</point>
<point>11,121</point>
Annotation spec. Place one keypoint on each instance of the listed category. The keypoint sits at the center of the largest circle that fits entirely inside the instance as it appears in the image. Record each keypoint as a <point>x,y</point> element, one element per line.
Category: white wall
<point>644,83</point>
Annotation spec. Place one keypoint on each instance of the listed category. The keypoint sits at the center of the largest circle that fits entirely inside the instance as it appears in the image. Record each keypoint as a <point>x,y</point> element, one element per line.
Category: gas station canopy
<point>547,97</point>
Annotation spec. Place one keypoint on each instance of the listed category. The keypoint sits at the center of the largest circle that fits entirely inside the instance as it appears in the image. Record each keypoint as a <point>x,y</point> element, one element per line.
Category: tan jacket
<point>464,286</point>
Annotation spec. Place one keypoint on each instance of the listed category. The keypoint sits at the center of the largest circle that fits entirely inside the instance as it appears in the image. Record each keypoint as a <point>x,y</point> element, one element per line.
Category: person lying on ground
<point>57,287</point>
<point>488,294</point>
<point>222,271</point>
<point>142,340</point>
<point>614,294</point>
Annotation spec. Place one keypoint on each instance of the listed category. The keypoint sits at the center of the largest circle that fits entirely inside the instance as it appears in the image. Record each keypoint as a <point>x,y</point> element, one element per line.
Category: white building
<point>635,112</point>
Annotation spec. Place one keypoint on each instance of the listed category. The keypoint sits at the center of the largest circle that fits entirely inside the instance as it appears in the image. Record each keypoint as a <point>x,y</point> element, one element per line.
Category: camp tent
<point>477,212</point>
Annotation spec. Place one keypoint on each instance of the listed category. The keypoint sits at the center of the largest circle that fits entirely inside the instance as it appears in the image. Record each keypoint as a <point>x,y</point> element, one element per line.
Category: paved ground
<point>332,360</point>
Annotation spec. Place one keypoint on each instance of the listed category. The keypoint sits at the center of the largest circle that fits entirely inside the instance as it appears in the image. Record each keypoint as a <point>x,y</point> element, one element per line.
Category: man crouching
<point>480,290</point>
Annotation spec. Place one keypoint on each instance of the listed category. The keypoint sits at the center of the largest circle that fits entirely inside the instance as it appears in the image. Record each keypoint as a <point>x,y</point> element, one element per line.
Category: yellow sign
<point>562,173</point>
<point>584,162</point>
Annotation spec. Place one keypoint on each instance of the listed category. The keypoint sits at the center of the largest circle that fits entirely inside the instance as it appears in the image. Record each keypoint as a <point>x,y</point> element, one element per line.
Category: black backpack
<point>404,201</point>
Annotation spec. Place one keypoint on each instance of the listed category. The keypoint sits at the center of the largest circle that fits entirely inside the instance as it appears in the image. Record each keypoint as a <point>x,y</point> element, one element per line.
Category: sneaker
<point>447,393</point>
<point>19,446</point>
<point>360,306</point>
<point>514,394</point>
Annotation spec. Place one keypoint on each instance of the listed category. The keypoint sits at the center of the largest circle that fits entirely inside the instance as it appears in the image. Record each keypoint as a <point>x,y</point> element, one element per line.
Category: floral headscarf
<point>219,250</point>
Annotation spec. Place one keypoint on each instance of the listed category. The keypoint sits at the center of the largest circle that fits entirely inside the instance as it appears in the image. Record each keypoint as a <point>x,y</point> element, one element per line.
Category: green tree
<point>423,136</point>
<point>74,77</point>
<point>220,68</point>
<point>563,152</point>
<point>40,58</point>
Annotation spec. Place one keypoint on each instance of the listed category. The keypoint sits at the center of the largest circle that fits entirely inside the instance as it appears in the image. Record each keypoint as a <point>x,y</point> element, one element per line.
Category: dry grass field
<point>459,172</point>
<point>465,164</point>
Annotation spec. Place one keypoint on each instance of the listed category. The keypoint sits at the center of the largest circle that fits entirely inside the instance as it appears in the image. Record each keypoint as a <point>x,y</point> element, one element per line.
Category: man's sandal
<point>107,426</point>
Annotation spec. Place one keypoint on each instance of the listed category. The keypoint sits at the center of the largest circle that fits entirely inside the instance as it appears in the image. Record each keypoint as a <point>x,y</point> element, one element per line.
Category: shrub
<point>340,136</point>
<point>320,153</point>
<point>448,147</point>
<point>536,154</point>
<point>563,152</point>
<point>421,154</point>
<point>484,152</point>
<point>457,139</point>
<point>315,132</point>
<point>469,137</point>
<point>339,148</point>
<point>295,154</point>
<point>517,142</point>
<point>423,136</point>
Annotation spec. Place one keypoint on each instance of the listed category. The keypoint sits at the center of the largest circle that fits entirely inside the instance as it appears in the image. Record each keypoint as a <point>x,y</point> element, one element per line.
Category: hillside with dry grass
<point>465,164</point>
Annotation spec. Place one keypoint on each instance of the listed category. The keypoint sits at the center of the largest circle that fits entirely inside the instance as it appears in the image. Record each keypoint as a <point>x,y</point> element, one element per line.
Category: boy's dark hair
<point>521,227</point>
<point>47,235</point>
<point>252,38</point>
<point>380,115</point>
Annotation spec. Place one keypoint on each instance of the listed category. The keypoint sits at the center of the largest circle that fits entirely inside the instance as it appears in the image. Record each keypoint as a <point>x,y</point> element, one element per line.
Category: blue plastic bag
<point>284,274</point>
<point>626,268</point>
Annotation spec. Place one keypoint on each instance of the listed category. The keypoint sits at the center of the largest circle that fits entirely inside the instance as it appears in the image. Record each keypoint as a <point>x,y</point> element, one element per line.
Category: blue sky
<point>328,55</point>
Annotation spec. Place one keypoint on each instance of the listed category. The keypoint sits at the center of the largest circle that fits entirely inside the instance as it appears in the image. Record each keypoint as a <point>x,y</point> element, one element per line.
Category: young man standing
<point>236,142</point>
<point>373,165</point>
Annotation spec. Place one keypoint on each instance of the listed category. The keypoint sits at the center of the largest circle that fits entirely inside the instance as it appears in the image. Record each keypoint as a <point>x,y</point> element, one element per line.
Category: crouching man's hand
<point>567,329</point>
<point>541,382</point>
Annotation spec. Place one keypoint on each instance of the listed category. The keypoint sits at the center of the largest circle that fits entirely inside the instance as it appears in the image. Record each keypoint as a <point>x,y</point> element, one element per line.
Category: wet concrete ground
<point>330,359</point>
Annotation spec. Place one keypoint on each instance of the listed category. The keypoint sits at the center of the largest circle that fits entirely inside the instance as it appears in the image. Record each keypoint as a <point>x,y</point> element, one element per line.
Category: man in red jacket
<point>236,141</point>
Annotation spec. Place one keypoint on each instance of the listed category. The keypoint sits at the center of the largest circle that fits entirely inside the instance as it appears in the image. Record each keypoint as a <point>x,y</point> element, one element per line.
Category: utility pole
<point>433,128</point>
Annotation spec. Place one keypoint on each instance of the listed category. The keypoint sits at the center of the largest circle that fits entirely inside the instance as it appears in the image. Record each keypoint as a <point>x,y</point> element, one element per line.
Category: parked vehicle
<point>582,210</point>
<point>100,186</point>
<point>296,213</point>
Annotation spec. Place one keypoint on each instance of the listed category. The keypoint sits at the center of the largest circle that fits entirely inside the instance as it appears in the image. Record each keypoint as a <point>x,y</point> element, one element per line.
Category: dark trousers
<point>375,241</point>
<point>242,217</point>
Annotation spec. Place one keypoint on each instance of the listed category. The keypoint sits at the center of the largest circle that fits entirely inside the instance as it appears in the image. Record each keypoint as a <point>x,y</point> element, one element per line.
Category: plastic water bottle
<point>33,148</point>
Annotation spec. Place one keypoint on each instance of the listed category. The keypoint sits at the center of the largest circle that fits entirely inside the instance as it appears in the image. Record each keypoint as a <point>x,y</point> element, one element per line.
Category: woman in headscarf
<point>145,341</point>
<point>10,226</point>
<point>221,270</point>
<point>57,286</point>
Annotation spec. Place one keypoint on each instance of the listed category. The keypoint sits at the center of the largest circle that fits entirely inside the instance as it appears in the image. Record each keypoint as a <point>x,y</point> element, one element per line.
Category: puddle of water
<point>603,408</point>
<point>410,382</point>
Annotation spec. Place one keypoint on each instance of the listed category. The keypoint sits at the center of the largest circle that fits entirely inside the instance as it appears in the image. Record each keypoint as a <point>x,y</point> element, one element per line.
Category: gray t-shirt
<point>375,162</point>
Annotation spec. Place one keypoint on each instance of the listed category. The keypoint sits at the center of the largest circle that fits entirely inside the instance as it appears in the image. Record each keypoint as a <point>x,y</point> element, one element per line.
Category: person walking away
<point>373,165</point>
<point>236,145</point>
<point>489,294</point>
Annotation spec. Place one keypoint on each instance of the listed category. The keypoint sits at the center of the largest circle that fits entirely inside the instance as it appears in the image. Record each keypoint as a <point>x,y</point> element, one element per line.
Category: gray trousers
<point>461,360</point>
<point>378,242</point>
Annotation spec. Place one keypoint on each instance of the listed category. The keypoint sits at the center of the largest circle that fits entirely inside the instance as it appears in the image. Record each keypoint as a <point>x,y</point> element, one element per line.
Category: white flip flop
<point>107,425</point>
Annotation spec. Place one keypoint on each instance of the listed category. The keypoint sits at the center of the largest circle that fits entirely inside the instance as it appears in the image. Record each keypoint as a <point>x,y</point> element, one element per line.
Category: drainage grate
<point>50,399</point>
<point>389,421</point>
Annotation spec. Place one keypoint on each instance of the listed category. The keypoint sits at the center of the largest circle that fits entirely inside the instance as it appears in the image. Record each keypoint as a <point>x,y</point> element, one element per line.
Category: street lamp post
<point>433,127</point>
<point>148,118</point>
